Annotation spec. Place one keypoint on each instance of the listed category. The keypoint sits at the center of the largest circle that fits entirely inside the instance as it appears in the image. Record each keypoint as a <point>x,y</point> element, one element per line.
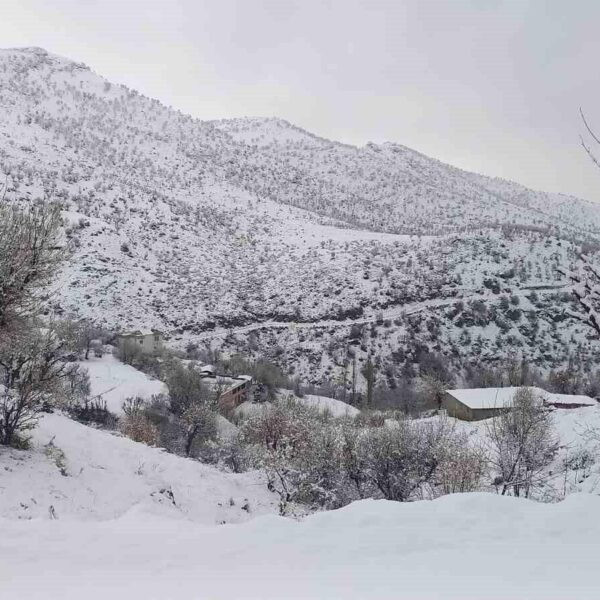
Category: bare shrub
<point>299,451</point>
<point>462,469</point>
<point>32,374</point>
<point>194,405</point>
<point>522,443</point>
<point>400,461</point>
<point>30,255</point>
<point>136,424</point>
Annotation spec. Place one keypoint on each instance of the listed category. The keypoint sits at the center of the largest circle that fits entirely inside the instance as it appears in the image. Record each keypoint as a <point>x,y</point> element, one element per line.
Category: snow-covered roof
<point>503,397</point>
<point>576,399</point>
<point>485,397</point>
<point>138,332</point>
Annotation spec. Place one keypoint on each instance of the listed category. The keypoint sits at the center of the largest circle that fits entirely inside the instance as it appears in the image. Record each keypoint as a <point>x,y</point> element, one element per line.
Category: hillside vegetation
<point>257,236</point>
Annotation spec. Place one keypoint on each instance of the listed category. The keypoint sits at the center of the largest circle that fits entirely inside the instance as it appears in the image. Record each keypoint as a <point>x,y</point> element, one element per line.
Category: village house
<point>482,403</point>
<point>237,393</point>
<point>149,341</point>
<point>207,371</point>
<point>233,390</point>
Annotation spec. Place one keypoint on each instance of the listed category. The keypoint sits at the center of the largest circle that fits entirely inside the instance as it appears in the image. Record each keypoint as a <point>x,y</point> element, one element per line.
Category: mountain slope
<point>229,231</point>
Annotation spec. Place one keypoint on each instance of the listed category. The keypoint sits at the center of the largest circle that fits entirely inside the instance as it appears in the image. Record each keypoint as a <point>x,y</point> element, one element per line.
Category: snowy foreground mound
<point>74,472</point>
<point>462,546</point>
<point>89,514</point>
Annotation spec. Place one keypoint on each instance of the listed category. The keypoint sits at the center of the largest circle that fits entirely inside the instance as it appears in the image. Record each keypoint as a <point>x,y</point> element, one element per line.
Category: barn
<point>482,403</point>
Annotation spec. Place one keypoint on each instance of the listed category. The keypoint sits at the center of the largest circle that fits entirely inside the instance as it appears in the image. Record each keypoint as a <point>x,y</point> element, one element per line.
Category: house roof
<point>503,397</point>
<point>139,332</point>
<point>485,397</point>
<point>570,399</point>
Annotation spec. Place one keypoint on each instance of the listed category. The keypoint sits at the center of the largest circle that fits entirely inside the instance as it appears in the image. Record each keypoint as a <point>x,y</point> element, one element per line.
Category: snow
<point>485,397</point>
<point>132,522</point>
<point>575,399</point>
<point>461,547</point>
<point>237,226</point>
<point>337,408</point>
<point>503,397</point>
<point>115,381</point>
<point>225,428</point>
<point>251,409</point>
<point>107,475</point>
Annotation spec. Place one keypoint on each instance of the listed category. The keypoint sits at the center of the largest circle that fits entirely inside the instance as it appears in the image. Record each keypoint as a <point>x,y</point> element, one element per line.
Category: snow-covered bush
<point>299,449</point>
<point>522,442</point>
<point>194,405</point>
<point>463,468</point>
<point>402,461</point>
<point>33,372</point>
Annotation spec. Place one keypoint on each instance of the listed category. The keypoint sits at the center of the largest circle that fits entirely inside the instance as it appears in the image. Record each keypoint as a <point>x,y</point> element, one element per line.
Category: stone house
<point>149,341</point>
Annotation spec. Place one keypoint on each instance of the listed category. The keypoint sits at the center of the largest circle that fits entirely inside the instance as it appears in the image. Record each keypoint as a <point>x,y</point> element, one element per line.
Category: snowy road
<point>390,313</point>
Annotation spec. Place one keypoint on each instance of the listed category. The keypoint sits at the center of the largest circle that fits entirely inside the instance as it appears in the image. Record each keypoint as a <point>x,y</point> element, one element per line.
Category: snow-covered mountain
<point>255,235</point>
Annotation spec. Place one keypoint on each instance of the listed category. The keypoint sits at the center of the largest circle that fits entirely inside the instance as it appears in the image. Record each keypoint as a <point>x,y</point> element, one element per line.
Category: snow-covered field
<point>113,381</point>
<point>336,408</point>
<point>75,472</point>
<point>471,546</point>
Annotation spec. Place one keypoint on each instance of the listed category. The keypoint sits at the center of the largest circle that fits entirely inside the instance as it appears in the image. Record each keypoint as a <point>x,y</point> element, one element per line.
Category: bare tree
<point>194,404</point>
<point>32,357</point>
<point>586,289</point>
<point>32,373</point>
<point>30,255</point>
<point>593,136</point>
<point>522,443</point>
<point>88,335</point>
<point>586,280</point>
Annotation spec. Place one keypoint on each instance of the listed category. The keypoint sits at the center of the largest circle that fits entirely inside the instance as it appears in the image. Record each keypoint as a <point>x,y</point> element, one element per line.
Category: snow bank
<point>106,475</point>
<point>225,428</point>
<point>115,381</point>
<point>336,407</point>
<point>470,546</point>
<point>251,409</point>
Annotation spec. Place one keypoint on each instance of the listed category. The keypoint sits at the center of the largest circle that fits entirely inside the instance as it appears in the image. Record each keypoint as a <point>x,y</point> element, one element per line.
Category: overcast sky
<point>487,85</point>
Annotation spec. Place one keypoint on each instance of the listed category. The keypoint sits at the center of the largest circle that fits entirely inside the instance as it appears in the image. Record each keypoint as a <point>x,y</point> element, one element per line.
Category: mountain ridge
<point>207,226</point>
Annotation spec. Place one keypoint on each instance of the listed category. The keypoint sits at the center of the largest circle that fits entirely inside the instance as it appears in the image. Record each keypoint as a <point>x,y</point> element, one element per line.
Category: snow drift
<point>472,546</point>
